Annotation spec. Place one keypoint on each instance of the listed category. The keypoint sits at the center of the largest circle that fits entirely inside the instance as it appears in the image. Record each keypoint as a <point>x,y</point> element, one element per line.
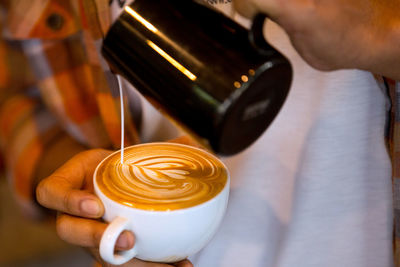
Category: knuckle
<point>42,192</point>
<point>62,227</point>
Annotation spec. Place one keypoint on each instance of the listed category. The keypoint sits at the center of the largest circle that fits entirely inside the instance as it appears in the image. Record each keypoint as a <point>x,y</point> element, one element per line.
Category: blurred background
<point>24,243</point>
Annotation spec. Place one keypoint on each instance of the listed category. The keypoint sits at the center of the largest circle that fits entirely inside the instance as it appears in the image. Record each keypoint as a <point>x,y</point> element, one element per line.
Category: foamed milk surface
<point>161,177</point>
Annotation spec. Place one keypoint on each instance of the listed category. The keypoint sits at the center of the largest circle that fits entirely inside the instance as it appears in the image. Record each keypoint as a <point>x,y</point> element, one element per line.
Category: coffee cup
<point>171,196</point>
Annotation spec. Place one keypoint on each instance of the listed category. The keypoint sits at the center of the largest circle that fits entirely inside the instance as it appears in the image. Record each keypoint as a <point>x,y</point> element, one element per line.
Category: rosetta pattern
<point>161,178</point>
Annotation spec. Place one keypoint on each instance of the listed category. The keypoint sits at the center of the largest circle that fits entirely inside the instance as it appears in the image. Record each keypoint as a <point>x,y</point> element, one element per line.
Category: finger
<point>245,8</point>
<point>88,233</point>
<point>62,191</point>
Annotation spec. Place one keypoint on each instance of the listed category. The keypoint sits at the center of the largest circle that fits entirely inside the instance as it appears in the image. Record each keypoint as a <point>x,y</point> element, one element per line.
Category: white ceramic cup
<point>160,236</point>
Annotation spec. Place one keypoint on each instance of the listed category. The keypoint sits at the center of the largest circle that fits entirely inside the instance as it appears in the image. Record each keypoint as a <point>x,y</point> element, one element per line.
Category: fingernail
<point>123,241</point>
<point>90,207</point>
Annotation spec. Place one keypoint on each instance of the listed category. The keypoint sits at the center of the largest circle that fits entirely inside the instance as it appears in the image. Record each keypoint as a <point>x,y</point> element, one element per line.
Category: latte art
<point>161,177</point>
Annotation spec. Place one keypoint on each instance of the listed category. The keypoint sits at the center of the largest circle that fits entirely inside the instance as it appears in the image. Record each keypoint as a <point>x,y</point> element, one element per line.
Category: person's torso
<point>315,189</point>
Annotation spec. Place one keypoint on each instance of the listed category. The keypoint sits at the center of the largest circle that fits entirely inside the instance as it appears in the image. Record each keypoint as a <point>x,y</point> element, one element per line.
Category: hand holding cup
<point>69,191</point>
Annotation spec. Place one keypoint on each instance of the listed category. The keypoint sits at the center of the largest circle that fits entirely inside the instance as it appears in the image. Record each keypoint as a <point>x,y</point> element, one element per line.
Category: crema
<point>161,177</point>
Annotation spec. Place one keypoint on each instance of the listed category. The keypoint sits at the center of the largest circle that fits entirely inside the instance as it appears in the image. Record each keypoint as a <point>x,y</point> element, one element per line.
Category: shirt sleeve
<point>25,125</point>
<point>52,82</point>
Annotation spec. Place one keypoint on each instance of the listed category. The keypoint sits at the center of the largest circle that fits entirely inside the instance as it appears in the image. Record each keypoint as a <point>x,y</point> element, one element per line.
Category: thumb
<point>64,190</point>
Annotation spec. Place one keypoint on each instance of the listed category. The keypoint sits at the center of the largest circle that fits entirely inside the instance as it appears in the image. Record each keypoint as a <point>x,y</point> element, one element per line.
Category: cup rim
<point>225,188</point>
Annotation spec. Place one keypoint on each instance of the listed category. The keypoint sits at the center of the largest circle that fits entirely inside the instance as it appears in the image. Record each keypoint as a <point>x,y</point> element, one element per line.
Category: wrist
<point>385,54</point>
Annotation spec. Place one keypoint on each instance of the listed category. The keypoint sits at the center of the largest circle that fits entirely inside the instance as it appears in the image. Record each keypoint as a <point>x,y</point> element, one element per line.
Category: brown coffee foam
<point>161,177</point>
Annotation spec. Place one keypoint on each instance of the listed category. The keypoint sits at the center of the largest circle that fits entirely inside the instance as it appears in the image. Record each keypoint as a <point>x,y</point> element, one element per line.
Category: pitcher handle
<point>256,35</point>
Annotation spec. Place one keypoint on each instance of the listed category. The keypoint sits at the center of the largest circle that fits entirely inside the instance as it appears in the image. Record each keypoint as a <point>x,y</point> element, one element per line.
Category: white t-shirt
<point>315,189</point>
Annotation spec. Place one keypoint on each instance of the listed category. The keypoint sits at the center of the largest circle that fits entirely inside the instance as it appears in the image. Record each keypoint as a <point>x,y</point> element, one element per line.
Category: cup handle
<point>256,35</point>
<point>108,240</point>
